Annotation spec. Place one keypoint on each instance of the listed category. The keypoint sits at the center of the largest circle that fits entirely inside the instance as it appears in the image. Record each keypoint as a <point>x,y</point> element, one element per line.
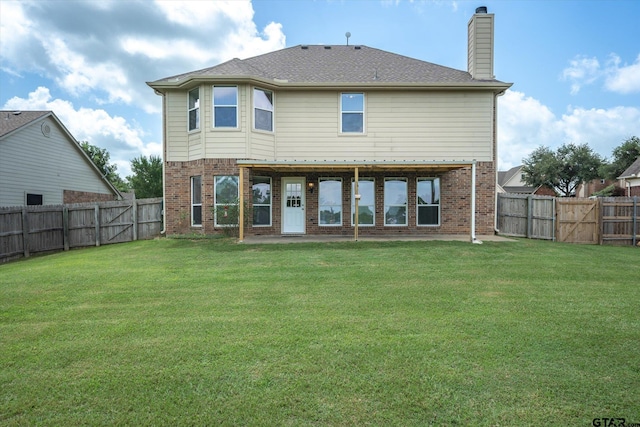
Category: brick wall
<point>455,200</point>
<point>70,196</point>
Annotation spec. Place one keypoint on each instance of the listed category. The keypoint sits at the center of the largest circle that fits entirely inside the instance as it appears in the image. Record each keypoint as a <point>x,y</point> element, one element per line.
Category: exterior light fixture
<point>311,185</point>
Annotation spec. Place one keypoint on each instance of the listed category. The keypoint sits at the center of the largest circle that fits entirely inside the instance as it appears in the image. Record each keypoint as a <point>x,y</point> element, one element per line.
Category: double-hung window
<point>352,113</point>
<point>261,190</point>
<point>196,201</point>
<point>225,201</point>
<point>330,201</point>
<point>428,201</point>
<point>263,109</point>
<point>194,109</point>
<point>366,204</point>
<point>225,106</point>
<point>395,201</point>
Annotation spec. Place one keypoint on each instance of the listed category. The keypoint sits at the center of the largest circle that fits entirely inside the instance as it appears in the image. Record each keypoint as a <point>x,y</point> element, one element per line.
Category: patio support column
<point>241,205</point>
<point>356,196</point>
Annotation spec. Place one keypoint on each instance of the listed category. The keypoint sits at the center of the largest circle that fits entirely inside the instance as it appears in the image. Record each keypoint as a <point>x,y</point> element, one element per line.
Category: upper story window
<point>194,109</point>
<point>263,109</point>
<point>352,113</point>
<point>225,106</point>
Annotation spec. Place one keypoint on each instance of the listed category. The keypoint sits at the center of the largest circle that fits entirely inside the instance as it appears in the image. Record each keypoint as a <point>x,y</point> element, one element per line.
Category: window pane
<point>197,215</point>
<point>263,99</point>
<point>366,205</point>
<point>365,214</point>
<point>425,192</point>
<point>330,201</point>
<point>262,215</point>
<point>225,95</point>
<point>196,189</point>
<point>428,215</point>
<point>264,120</point>
<point>34,199</point>
<point>225,117</point>
<point>353,102</point>
<point>352,122</point>
<point>226,189</point>
<point>194,119</point>
<point>395,215</point>
<point>261,190</point>
<point>194,98</point>
<point>395,192</point>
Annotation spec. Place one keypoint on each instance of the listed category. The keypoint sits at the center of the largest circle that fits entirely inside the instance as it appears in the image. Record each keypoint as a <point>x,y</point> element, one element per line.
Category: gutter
<point>496,230</point>
<point>164,156</point>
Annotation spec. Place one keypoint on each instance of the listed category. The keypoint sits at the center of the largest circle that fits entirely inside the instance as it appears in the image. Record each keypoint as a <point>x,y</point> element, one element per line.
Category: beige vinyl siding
<point>228,143</point>
<point>31,162</point>
<point>176,124</point>
<point>480,53</point>
<point>426,125</point>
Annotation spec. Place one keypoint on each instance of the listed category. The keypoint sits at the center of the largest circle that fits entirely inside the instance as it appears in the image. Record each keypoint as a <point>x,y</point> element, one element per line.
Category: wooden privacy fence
<point>29,229</point>
<point>606,220</point>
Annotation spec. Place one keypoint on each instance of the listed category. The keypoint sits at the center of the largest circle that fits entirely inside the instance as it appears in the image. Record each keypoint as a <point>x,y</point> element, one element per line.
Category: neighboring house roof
<point>332,65</point>
<point>13,121</point>
<point>632,171</point>
<point>511,183</point>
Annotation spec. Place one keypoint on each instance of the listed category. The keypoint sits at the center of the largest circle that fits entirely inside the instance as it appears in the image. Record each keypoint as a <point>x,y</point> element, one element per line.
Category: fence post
<point>135,219</point>
<point>529,216</point>
<point>635,220</point>
<point>97,223</point>
<point>65,227</point>
<point>25,232</point>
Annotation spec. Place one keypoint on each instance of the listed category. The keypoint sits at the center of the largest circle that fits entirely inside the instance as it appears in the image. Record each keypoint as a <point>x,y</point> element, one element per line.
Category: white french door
<point>293,205</point>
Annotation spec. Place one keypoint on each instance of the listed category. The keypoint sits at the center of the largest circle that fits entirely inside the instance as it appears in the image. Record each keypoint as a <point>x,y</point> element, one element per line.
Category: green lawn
<point>208,332</point>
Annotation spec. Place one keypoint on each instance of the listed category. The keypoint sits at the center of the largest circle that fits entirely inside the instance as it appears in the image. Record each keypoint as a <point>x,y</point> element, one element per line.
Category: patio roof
<point>343,166</point>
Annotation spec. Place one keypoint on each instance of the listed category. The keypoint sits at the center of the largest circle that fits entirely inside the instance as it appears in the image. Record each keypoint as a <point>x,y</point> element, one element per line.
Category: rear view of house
<point>41,163</point>
<point>334,140</point>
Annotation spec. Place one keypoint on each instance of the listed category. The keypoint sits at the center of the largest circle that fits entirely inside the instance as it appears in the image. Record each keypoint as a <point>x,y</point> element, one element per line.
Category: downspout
<point>164,157</point>
<point>473,204</point>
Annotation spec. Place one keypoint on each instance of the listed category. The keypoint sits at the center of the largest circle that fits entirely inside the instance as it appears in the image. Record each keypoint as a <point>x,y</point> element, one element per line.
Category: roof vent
<point>481,9</point>
<point>327,47</point>
<point>357,47</point>
<point>304,46</point>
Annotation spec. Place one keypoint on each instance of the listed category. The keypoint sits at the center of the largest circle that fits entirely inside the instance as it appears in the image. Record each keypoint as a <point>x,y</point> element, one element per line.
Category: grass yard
<point>207,332</point>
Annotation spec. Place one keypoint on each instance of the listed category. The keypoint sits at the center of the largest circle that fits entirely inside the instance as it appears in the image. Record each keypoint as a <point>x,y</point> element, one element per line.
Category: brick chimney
<point>480,59</point>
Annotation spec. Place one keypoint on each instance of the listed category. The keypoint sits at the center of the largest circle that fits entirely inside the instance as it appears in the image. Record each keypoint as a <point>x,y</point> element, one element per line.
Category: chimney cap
<point>481,9</point>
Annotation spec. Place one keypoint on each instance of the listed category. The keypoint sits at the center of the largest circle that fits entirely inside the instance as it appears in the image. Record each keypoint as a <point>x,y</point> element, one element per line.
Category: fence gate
<point>578,221</point>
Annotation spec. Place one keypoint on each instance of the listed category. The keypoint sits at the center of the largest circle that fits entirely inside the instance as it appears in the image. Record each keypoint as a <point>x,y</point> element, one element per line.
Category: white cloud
<point>108,50</point>
<point>524,124</point>
<point>122,139</point>
<point>625,79</point>
<point>585,71</point>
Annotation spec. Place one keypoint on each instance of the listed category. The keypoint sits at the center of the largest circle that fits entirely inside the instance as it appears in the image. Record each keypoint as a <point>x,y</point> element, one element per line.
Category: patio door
<point>293,218</point>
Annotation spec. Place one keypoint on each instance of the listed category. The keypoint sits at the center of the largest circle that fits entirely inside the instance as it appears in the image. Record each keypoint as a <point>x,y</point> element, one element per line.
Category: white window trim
<point>215,201</point>
<point>196,204</point>
<point>341,204</point>
<point>432,204</point>
<point>189,110</point>
<point>384,205</point>
<point>270,204</point>
<point>273,108</point>
<point>364,115</point>
<point>353,202</point>
<point>213,109</point>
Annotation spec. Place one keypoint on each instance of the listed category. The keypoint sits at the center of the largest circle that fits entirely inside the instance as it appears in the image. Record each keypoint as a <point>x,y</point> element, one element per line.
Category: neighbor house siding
<point>31,162</point>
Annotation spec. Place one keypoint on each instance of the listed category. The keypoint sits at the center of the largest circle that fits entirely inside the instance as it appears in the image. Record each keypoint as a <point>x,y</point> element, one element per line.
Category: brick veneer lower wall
<point>70,196</point>
<point>455,189</point>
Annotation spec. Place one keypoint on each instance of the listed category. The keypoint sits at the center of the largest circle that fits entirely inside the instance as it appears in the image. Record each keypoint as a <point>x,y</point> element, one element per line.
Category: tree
<point>146,180</point>
<point>623,156</point>
<point>100,157</point>
<point>563,169</point>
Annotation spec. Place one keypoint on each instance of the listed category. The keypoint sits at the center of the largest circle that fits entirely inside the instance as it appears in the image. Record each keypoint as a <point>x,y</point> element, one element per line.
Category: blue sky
<point>574,65</point>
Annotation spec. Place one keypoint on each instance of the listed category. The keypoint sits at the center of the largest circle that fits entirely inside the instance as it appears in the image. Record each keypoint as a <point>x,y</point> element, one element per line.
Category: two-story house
<point>334,140</point>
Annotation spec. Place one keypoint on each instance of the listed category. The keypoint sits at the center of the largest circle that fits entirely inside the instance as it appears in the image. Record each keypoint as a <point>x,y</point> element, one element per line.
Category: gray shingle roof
<point>632,171</point>
<point>333,64</point>
<point>11,120</point>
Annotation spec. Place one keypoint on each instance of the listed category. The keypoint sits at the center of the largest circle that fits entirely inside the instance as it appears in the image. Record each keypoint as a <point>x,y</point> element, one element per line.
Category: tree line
<point>146,180</point>
<point>565,168</point>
